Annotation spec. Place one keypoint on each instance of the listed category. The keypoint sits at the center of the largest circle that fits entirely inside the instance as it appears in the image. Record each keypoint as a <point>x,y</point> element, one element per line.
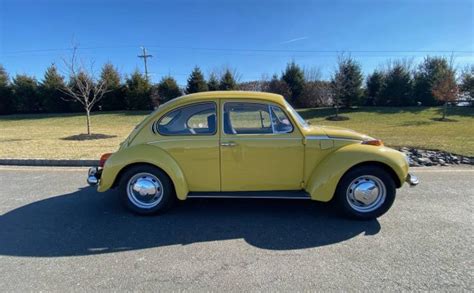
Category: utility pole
<point>145,56</point>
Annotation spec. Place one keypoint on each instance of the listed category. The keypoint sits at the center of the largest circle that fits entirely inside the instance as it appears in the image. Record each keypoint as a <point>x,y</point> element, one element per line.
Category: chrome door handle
<point>228,144</point>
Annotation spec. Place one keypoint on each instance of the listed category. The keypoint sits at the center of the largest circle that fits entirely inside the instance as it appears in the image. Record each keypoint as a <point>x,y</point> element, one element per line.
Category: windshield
<point>297,116</point>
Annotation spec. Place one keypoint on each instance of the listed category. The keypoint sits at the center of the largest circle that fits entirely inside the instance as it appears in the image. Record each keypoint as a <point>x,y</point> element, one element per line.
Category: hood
<point>338,132</point>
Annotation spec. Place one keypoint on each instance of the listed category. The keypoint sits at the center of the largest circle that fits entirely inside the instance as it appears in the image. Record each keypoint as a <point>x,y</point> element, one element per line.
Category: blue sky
<point>252,37</point>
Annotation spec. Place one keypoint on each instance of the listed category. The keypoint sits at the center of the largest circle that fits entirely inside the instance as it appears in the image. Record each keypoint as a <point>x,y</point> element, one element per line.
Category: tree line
<point>433,82</point>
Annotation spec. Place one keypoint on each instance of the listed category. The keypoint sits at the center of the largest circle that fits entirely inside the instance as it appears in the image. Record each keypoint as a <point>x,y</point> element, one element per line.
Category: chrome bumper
<point>93,176</point>
<point>412,180</point>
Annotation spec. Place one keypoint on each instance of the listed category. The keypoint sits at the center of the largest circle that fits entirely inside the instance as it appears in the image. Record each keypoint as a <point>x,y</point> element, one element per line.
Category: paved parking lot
<point>57,234</point>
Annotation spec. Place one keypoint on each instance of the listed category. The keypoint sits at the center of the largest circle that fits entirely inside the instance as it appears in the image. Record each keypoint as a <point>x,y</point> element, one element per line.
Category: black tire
<point>342,197</point>
<point>167,190</point>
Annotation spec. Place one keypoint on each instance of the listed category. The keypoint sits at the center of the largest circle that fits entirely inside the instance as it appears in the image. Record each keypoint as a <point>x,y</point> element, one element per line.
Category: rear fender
<point>145,154</point>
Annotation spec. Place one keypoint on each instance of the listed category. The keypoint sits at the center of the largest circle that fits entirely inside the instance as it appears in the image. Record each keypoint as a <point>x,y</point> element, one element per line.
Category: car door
<point>190,135</point>
<point>260,147</point>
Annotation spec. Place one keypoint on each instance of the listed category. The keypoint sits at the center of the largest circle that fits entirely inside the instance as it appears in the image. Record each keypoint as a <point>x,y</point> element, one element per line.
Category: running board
<point>287,194</point>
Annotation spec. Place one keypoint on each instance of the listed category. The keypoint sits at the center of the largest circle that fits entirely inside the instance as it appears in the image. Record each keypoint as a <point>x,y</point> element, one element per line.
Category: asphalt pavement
<point>57,234</point>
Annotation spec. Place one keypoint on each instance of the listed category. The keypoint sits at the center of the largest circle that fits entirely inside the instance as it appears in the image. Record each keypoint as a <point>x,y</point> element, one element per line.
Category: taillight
<point>375,142</point>
<point>104,158</point>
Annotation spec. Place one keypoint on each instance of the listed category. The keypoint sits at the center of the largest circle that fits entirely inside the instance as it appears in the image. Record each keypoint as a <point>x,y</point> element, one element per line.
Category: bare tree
<point>316,94</point>
<point>83,86</point>
<point>312,73</point>
<point>254,85</point>
<point>221,70</point>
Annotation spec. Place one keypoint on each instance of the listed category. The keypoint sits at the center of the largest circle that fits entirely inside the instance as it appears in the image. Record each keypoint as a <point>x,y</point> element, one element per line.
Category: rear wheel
<point>146,190</point>
<point>366,192</point>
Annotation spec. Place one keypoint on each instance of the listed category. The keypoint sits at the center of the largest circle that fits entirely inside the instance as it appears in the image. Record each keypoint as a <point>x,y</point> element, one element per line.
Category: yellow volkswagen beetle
<point>237,144</point>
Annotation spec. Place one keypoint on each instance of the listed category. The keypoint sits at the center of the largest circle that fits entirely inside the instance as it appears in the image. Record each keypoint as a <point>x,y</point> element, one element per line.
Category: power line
<point>68,49</point>
<point>240,50</point>
<point>311,51</point>
<point>299,55</point>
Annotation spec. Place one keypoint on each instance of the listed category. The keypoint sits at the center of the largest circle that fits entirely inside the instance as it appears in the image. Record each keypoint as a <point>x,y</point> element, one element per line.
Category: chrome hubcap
<point>145,190</point>
<point>366,193</point>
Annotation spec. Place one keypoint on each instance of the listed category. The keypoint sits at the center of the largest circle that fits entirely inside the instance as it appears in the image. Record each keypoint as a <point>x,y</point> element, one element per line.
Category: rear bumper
<point>93,176</point>
<point>412,180</point>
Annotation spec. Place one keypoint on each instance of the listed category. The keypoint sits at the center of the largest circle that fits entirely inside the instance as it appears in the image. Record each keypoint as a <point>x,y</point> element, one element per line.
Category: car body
<point>243,144</point>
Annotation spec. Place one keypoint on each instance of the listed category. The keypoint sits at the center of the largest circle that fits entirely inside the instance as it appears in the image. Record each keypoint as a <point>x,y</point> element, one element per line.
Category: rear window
<point>195,119</point>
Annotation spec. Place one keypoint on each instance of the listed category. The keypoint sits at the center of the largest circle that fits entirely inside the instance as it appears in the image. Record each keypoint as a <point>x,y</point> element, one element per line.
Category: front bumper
<point>93,176</point>
<point>412,180</point>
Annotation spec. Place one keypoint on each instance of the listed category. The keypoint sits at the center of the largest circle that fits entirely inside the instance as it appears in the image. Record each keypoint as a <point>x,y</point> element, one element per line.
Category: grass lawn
<point>408,126</point>
<point>49,136</point>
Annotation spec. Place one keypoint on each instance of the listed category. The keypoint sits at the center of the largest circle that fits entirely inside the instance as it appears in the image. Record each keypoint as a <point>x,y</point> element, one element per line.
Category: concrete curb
<point>49,163</point>
<point>91,163</point>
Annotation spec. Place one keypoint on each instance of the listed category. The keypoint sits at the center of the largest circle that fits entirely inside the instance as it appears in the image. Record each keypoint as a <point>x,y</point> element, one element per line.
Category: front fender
<point>148,154</point>
<point>324,178</point>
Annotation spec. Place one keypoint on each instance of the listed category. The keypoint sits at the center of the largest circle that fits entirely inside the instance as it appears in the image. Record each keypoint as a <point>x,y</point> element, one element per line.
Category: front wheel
<point>146,190</point>
<point>366,192</point>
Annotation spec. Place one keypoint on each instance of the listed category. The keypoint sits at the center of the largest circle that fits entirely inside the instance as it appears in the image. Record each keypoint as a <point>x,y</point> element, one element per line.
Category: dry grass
<point>59,136</point>
<point>62,136</point>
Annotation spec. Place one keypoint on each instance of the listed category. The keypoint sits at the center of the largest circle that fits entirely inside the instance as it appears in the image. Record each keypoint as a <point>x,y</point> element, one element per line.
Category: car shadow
<point>86,222</point>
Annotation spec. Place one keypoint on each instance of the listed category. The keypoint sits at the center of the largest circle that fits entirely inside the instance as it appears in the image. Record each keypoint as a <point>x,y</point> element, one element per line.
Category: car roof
<point>197,97</point>
<point>233,94</point>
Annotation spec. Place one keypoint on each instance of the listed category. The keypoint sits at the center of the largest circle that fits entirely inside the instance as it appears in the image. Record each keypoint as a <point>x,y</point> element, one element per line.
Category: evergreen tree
<point>114,99</point>
<point>6,102</point>
<point>196,82</point>
<point>168,89</point>
<point>467,81</point>
<point>50,91</point>
<point>227,82</point>
<point>279,86</point>
<point>137,92</point>
<point>347,82</point>
<point>155,96</point>
<point>374,85</point>
<point>25,93</point>
<point>428,73</point>
<point>213,83</point>
<point>294,78</point>
<point>4,78</point>
<point>398,86</point>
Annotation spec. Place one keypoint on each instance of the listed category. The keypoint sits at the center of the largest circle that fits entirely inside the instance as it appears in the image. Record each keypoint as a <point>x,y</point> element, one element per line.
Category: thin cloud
<point>294,40</point>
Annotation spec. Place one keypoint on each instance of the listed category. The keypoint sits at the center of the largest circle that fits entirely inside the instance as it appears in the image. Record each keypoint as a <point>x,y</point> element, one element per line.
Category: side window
<point>252,118</point>
<point>195,119</point>
<point>246,118</point>
<point>281,123</point>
